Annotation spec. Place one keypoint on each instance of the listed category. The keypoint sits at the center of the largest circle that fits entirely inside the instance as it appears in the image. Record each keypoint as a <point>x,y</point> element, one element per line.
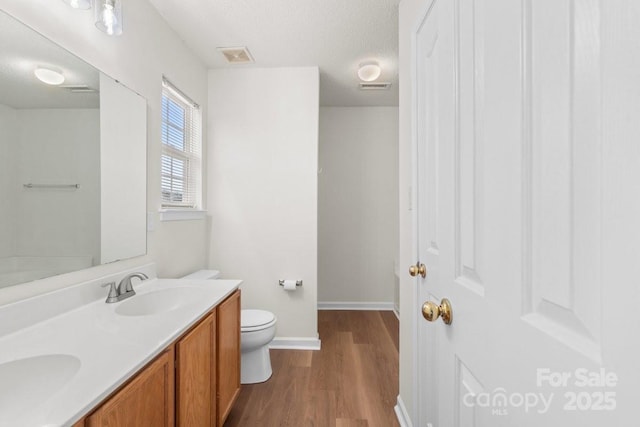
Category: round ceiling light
<point>48,76</point>
<point>369,71</point>
<point>79,4</point>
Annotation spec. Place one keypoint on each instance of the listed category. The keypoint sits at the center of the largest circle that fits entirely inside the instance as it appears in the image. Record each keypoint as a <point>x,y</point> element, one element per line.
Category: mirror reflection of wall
<point>51,226</point>
<point>123,167</point>
<point>51,140</point>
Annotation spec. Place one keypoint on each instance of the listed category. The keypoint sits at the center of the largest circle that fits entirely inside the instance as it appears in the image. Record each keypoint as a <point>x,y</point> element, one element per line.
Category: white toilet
<point>258,328</point>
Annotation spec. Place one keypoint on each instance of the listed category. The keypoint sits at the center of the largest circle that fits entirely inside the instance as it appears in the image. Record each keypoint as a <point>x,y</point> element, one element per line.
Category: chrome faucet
<point>124,289</point>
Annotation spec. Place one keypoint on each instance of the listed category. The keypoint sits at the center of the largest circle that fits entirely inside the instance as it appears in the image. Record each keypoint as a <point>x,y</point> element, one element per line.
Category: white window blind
<point>181,149</point>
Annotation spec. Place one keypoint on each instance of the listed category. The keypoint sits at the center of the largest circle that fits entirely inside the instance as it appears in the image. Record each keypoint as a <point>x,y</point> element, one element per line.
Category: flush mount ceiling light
<point>79,4</point>
<point>48,76</point>
<point>108,16</point>
<point>236,55</point>
<point>369,71</point>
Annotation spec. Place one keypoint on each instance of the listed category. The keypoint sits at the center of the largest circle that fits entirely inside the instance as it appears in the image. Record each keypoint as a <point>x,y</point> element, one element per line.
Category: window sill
<point>181,214</point>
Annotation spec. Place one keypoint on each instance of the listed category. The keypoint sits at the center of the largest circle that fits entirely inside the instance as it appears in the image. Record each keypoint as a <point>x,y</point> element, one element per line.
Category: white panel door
<point>428,47</point>
<point>516,172</point>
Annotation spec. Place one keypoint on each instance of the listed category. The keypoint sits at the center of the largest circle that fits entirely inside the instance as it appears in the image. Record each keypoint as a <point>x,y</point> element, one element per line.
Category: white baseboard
<point>379,306</point>
<point>401,414</point>
<point>396,312</point>
<point>294,343</point>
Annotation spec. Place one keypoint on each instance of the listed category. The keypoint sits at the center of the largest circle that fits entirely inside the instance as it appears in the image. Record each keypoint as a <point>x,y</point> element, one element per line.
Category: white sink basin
<point>29,382</point>
<point>159,301</point>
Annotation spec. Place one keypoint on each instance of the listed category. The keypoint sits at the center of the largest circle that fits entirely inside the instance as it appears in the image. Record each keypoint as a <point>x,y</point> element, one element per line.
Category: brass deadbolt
<point>420,269</point>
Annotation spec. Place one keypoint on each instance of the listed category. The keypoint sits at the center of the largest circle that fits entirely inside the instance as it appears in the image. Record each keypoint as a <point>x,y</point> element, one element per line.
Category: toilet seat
<point>256,320</point>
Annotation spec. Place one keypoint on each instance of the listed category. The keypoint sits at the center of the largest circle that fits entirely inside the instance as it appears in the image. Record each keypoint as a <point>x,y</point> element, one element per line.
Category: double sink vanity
<point>168,355</point>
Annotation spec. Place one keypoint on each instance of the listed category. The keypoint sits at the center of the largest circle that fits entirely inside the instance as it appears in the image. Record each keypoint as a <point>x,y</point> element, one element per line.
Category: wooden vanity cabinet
<point>145,401</point>
<point>228,363</point>
<point>196,375</point>
<point>193,383</point>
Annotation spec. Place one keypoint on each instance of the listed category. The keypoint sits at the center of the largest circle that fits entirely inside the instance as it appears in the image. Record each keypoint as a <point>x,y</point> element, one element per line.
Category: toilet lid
<point>254,318</point>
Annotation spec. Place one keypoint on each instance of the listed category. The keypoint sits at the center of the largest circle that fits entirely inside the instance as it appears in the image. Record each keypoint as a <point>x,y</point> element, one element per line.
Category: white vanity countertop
<point>110,348</point>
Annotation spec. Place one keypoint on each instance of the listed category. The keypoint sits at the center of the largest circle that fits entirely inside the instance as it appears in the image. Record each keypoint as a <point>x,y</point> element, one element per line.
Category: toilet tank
<point>203,275</point>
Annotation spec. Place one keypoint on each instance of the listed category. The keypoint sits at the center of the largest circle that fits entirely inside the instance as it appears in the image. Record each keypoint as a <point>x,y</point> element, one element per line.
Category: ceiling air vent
<point>374,86</point>
<point>78,88</point>
<point>236,55</point>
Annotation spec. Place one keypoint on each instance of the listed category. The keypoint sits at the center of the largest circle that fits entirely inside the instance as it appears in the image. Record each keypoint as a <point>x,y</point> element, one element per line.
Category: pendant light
<point>108,16</point>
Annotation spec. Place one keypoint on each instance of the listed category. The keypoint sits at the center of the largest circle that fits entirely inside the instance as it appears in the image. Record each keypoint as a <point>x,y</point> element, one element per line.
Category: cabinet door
<point>228,365</point>
<point>147,401</point>
<point>196,376</point>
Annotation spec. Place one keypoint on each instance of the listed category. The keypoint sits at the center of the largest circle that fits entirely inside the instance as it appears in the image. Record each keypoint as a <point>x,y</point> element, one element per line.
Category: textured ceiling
<point>335,35</point>
<point>21,51</point>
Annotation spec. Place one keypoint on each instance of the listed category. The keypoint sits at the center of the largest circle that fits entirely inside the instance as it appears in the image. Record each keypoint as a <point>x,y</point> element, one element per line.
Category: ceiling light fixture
<point>369,71</point>
<point>48,76</point>
<point>79,4</point>
<point>108,16</point>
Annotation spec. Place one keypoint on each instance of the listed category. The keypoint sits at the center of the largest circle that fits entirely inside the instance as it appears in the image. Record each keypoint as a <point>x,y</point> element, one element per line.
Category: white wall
<point>58,146</point>
<point>357,206</point>
<point>8,136</point>
<point>262,163</point>
<point>147,49</point>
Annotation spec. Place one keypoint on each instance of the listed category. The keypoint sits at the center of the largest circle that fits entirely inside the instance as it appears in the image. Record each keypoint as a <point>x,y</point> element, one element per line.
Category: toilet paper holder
<point>298,282</point>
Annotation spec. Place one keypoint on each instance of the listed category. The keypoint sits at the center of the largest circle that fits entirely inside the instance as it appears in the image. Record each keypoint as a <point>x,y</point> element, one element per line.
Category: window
<point>181,150</point>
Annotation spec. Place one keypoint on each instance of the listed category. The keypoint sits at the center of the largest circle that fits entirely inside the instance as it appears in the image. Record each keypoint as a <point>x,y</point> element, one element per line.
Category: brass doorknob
<point>420,269</point>
<point>431,311</point>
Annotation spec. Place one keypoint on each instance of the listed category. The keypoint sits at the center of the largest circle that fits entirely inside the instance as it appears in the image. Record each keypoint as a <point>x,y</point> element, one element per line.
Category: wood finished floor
<point>351,382</point>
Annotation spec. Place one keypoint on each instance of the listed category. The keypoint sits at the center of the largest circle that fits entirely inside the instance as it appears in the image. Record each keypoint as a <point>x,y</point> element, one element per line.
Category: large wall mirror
<point>72,162</point>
